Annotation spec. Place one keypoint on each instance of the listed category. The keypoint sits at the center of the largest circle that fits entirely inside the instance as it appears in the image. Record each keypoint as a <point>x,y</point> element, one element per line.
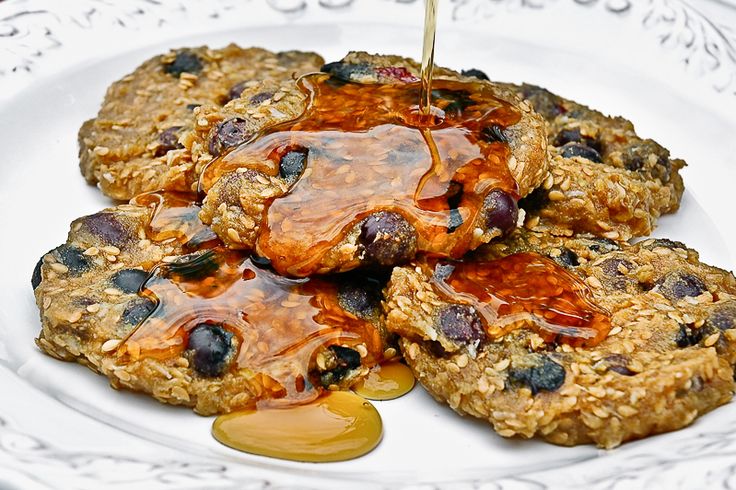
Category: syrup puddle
<point>386,381</point>
<point>336,427</point>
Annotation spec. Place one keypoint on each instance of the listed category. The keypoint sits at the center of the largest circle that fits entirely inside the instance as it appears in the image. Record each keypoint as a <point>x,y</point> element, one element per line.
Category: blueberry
<point>723,317</point>
<point>211,346</point>
<point>195,265</point>
<point>346,357</point>
<point>107,228</point>
<point>637,156</point>
<point>229,134</point>
<point>618,363</point>
<point>235,91</point>
<point>535,200</point>
<point>293,163</point>
<point>544,102</point>
<point>501,210</point>
<point>191,107</point>
<point>474,72</point>
<point>687,336</point>
<point>455,220</point>
<point>602,245</point>
<point>570,150</point>
<point>129,280</point>
<point>347,72</point>
<point>260,97</point>
<point>168,140</point>
<point>575,136</point>
<point>260,262</point>
<point>568,258</point>
<point>360,296</point>
<point>677,285</point>
<point>184,62</point>
<point>663,242</point>
<point>137,310</point>
<point>494,134</point>
<point>387,239</point>
<point>452,102</point>
<point>612,269</point>
<point>543,375</point>
<point>36,276</point>
<point>460,323</point>
<point>73,258</point>
<point>346,360</point>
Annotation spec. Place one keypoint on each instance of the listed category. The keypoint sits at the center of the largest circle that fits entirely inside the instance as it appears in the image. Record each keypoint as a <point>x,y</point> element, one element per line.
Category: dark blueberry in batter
<point>260,262</point>
<point>611,268</point>
<point>453,102</point>
<point>501,210</point>
<point>664,242</point>
<point>722,318</point>
<point>474,72</point>
<point>387,238</point>
<point>546,375</point>
<point>191,107</point>
<point>618,364</point>
<point>677,285</point>
<point>260,97</point>
<point>210,346</point>
<point>293,163</point>
<point>72,258</point>
<point>36,276</point>
<point>129,280</point>
<point>346,357</point>
<point>570,150</point>
<point>229,134</point>
<point>636,158</point>
<point>347,72</point>
<point>460,323</point>
<point>168,140</point>
<point>688,336</point>
<point>568,258</point>
<point>195,265</point>
<point>360,296</point>
<point>185,62</point>
<point>455,221</point>
<point>494,134</point>
<point>107,228</point>
<point>535,200</point>
<point>602,245</point>
<point>137,310</point>
<point>235,91</point>
<point>574,136</point>
<point>544,102</point>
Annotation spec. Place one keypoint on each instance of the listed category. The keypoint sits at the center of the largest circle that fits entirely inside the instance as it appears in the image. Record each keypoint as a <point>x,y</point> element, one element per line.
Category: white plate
<point>667,66</point>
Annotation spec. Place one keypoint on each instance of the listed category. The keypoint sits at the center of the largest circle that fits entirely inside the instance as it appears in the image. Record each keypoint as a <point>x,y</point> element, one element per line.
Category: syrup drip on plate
<point>386,381</point>
<point>525,290</point>
<point>335,427</point>
<point>280,325</point>
<point>368,149</point>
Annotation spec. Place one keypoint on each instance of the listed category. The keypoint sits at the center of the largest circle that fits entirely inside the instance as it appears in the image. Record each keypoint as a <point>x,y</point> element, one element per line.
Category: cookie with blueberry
<point>314,206</point>
<point>530,362</point>
<point>603,178</point>
<point>139,140</point>
<point>146,295</point>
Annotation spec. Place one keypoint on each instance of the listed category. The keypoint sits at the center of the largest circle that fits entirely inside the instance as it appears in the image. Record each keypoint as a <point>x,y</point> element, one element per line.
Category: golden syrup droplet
<point>386,382</point>
<point>336,427</point>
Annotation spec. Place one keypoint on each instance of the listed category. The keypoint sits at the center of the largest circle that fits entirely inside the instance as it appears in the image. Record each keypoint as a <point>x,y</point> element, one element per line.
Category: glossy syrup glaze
<point>280,324</point>
<point>525,290</point>
<point>368,149</point>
